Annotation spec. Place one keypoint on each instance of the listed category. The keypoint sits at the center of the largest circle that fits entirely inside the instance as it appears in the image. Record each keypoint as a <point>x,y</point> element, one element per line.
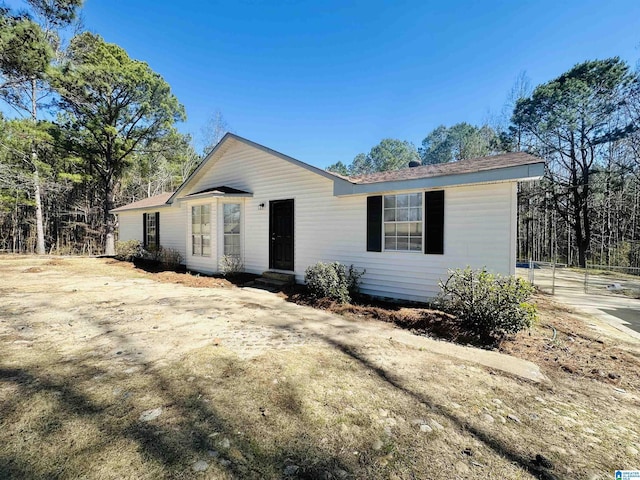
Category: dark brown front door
<point>281,232</point>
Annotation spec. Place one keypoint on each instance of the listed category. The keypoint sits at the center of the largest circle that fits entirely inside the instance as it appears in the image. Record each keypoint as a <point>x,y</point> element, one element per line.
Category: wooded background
<point>86,128</point>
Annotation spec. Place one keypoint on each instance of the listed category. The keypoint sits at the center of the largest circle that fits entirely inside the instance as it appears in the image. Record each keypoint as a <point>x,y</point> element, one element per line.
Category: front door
<point>281,234</point>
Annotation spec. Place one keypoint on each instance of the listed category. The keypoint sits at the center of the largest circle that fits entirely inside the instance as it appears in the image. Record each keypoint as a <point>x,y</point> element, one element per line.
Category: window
<point>201,230</point>
<point>403,222</point>
<point>151,230</point>
<point>231,219</point>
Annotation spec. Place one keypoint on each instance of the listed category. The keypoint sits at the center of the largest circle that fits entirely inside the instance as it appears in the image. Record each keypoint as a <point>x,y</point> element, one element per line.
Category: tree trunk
<point>40,250</point>
<point>109,244</point>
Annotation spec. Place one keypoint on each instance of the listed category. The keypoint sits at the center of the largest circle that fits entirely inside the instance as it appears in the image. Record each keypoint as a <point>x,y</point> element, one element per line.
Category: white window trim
<point>191,234</point>
<point>241,226</point>
<point>421,222</point>
<point>220,226</point>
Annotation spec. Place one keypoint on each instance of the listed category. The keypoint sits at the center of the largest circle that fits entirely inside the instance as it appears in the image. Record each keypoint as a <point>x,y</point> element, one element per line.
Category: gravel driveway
<point>621,311</point>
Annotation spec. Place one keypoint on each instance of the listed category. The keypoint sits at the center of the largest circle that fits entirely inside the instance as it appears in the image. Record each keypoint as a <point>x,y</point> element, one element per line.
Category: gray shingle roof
<point>470,165</point>
<point>155,201</point>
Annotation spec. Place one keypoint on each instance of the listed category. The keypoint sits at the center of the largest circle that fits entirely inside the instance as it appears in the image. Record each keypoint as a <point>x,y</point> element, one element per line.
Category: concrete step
<point>271,282</point>
<point>288,278</point>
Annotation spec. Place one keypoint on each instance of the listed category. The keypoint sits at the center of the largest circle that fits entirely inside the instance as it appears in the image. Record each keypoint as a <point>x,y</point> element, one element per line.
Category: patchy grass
<point>318,409</point>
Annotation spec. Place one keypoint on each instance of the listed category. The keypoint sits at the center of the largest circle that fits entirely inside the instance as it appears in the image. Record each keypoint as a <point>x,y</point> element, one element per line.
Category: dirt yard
<point>110,372</point>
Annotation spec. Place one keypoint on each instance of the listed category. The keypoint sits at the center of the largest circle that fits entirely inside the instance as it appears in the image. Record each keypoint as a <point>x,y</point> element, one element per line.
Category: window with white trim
<point>403,222</point>
<point>151,232</point>
<point>201,230</point>
<point>231,220</point>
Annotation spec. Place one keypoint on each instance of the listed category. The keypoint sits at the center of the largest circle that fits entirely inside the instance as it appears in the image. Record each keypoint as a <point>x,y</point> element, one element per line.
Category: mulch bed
<point>417,318</point>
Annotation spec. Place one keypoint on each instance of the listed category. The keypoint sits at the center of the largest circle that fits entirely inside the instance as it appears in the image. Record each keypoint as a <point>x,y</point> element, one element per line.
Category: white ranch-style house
<point>406,228</point>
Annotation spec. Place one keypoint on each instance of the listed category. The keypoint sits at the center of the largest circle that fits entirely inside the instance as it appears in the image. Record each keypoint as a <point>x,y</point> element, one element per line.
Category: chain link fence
<point>594,280</point>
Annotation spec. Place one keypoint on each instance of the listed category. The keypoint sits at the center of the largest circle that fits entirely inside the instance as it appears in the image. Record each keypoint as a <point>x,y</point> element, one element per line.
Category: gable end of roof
<point>230,137</point>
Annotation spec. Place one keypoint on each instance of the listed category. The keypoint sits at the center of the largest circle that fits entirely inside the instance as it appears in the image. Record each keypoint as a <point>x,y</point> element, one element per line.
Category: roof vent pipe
<point>414,163</point>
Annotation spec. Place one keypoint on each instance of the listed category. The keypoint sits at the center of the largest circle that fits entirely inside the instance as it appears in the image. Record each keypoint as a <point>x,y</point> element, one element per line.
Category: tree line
<point>85,128</point>
<point>586,125</point>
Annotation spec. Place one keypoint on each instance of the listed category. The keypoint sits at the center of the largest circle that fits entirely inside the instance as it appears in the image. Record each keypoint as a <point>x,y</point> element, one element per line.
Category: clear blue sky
<point>325,80</point>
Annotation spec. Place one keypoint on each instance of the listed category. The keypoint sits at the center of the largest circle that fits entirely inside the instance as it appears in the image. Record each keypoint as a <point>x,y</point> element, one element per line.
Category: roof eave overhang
<point>198,196</point>
<point>518,173</point>
<point>134,209</point>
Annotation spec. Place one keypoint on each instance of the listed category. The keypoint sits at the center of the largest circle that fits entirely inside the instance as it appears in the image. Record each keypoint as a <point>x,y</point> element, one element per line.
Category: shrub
<point>231,265</point>
<point>491,306</point>
<point>129,250</point>
<point>332,280</point>
<point>160,258</point>
<point>170,258</point>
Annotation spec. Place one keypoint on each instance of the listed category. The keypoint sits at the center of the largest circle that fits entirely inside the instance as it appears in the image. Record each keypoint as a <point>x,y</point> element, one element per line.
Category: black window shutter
<point>157,229</point>
<point>144,230</point>
<point>374,224</point>
<point>434,222</point>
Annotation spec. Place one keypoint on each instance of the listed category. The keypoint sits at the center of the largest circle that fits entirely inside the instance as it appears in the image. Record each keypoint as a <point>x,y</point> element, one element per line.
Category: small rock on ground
<point>149,415</point>
<point>200,466</point>
<point>290,470</point>
<point>488,418</point>
<point>436,425</point>
<point>513,418</point>
<point>425,428</point>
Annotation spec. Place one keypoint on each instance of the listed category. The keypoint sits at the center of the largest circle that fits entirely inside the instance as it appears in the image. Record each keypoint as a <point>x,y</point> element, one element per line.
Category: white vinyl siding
<point>172,226</point>
<point>173,223</point>
<point>130,226</point>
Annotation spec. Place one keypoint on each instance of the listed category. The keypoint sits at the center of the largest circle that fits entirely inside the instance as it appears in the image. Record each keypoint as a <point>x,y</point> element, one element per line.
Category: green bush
<point>129,250</point>
<point>332,280</point>
<point>492,306</point>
